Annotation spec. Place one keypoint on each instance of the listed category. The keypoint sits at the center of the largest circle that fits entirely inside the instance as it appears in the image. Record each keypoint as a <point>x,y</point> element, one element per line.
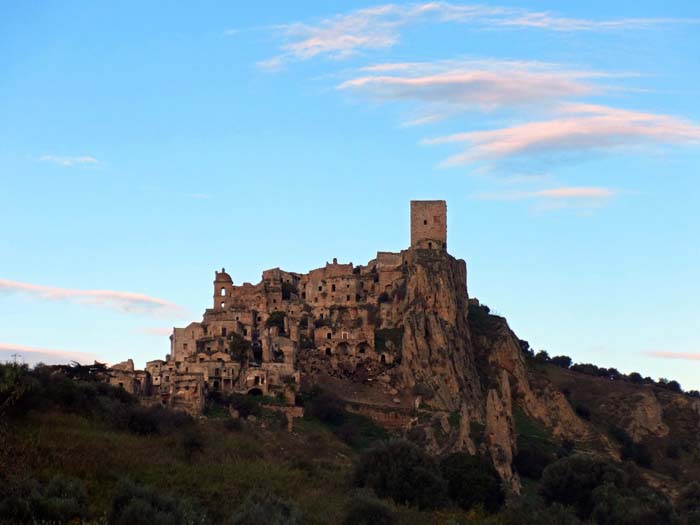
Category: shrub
<point>563,361</point>
<point>532,511</point>
<point>400,470</point>
<point>641,506</point>
<point>235,425</point>
<point>572,480</point>
<point>471,481</point>
<point>689,498</point>
<point>364,508</point>
<point>637,452</point>
<point>276,319</point>
<point>258,509</point>
<point>531,460</point>
<point>542,357</point>
<point>192,444</point>
<point>60,500</point>
<point>135,504</point>
<point>583,411</point>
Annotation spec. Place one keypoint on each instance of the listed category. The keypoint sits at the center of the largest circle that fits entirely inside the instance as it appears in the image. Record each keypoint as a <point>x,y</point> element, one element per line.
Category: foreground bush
<point>400,470</point>
<point>364,508</point>
<point>266,509</point>
<point>472,481</point>
<point>60,500</point>
<point>135,504</point>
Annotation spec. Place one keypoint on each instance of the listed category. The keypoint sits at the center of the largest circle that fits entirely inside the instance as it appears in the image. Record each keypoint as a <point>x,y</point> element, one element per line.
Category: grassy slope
<point>309,466</point>
<point>611,402</point>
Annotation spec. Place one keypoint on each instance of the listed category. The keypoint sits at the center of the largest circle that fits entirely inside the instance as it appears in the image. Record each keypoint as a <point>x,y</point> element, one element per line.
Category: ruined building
<point>255,338</point>
<point>393,338</point>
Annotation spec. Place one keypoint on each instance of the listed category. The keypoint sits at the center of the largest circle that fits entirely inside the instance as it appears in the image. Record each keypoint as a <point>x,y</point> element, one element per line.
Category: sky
<point>145,144</point>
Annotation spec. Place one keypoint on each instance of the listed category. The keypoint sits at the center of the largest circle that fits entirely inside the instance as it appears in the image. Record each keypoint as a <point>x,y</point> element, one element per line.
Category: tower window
<point>425,222</point>
<point>332,288</point>
<point>223,292</point>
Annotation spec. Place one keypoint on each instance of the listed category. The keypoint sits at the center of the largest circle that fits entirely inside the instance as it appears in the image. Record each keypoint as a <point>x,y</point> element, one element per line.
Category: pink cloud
<point>38,354</point>
<point>687,356</point>
<point>380,27</point>
<point>580,127</point>
<point>592,195</point>
<point>485,84</point>
<point>129,302</point>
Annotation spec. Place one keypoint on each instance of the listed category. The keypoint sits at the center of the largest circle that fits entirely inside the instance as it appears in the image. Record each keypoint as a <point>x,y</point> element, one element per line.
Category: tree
<point>472,480</point>
<point>400,470</point>
<point>635,378</point>
<point>572,480</point>
<point>563,361</point>
<point>531,460</point>
<point>542,357</point>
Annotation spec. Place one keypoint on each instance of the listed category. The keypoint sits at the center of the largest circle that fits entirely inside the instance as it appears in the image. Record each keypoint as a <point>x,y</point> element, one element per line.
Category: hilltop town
<point>258,339</point>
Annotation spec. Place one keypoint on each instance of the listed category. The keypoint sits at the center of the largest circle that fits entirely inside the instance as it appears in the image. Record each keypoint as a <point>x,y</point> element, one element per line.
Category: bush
<point>472,481</point>
<point>531,460</point>
<point>637,452</point>
<point>259,509</point>
<point>364,508</point>
<point>642,506</point>
<point>689,499</point>
<point>60,500</point>
<point>563,361</point>
<point>135,504</point>
<point>583,411</point>
<point>276,319</point>
<point>400,470</point>
<point>572,480</point>
<point>532,511</point>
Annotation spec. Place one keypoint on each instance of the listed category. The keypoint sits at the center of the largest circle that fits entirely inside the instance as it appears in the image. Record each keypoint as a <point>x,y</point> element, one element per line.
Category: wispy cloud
<point>128,302</point>
<point>69,161</point>
<point>579,128</point>
<point>576,192</point>
<point>685,356</point>
<point>379,27</point>
<point>34,354</point>
<point>473,84</point>
<point>577,197</point>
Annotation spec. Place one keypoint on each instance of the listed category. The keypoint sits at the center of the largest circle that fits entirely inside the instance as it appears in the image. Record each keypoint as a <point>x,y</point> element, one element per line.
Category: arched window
<point>223,292</point>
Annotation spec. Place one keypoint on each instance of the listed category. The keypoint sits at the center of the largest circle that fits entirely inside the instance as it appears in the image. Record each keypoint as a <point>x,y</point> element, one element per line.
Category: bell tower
<point>223,286</point>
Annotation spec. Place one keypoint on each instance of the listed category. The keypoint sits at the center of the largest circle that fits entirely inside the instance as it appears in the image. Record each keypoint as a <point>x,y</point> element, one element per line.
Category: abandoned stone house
<point>259,339</point>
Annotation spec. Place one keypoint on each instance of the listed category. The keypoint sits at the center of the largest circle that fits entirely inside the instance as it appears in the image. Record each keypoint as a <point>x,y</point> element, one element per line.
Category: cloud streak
<point>69,161</point>
<point>478,84</point>
<point>685,356</point>
<point>38,354</point>
<point>562,193</point>
<point>379,27</point>
<point>579,127</point>
<point>128,302</point>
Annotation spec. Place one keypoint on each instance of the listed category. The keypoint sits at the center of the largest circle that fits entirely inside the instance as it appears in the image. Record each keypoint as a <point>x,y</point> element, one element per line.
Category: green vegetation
<point>403,472</point>
<point>276,319</point>
<point>77,450</point>
<point>388,339</point>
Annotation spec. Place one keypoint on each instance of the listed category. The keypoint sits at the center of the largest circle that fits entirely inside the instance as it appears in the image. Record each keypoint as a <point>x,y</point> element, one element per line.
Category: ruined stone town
<point>259,339</point>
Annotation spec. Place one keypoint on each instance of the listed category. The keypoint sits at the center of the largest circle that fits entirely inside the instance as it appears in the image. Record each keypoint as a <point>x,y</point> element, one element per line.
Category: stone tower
<point>223,286</point>
<point>429,225</point>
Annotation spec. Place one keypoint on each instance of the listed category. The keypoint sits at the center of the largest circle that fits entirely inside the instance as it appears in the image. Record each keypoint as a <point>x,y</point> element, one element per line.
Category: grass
<point>310,466</point>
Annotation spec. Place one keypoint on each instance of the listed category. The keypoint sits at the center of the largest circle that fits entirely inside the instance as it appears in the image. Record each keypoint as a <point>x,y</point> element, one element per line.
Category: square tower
<point>429,225</point>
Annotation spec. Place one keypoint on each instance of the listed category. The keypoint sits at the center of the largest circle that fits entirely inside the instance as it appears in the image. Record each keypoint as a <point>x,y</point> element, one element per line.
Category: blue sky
<point>144,145</point>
